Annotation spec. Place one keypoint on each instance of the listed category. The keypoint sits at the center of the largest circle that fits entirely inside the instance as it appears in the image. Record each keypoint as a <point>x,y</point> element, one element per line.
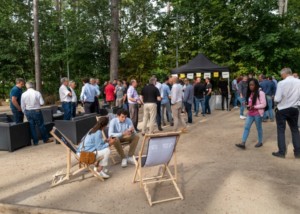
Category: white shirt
<point>63,94</point>
<point>158,85</point>
<point>31,100</point>
<point>74,96</point>
<point>176,93</point>
<point>288,93</point>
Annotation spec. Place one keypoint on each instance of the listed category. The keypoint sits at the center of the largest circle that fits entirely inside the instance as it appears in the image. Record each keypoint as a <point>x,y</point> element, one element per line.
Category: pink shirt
<point>252,111</point>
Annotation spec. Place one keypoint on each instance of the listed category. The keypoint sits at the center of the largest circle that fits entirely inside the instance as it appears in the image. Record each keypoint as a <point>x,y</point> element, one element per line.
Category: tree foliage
<point>246,35</point>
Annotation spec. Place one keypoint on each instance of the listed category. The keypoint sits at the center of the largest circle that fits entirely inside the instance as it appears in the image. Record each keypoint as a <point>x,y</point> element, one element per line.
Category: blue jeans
<point>73,109</point>
<point>166,107</point>
<point>198,102</point>
<point>269,112</point>
<point>242,107</point>
<point>188,108</point>
<point>207,107</point>
<point>67,107</point>
<point>18,116</point>
<point>248,123</point>
<point>35,118</point>
<point>235,98</point>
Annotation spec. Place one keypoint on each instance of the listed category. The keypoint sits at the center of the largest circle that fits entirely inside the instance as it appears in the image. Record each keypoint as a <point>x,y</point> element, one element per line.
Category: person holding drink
<point>122,130</point>
<point>255,102</point>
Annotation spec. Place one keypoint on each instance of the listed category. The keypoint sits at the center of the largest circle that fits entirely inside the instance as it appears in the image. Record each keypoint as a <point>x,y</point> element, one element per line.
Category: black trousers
<point>158,114</point>
<point>97,106</point>
<point>224,97</point>
<point>89,107</point>
<point>289,115</point>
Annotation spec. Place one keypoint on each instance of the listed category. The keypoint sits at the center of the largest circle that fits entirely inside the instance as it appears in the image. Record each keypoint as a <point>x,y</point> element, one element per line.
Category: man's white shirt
<point>176,93</point>
<point>288,93</point>
<point>63,94</point>
<point>31,100</point>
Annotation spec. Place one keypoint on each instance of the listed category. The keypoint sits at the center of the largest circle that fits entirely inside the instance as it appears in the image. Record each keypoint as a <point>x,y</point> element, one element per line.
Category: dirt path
<point>215,176</point>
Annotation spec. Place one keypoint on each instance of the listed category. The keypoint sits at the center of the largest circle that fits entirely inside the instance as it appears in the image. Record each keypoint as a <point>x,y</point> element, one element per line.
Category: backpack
<point>267,106</point>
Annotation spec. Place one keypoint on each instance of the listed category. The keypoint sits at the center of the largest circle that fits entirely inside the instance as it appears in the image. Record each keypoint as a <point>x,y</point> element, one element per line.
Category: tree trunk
<point>36,46</point>
<point>114,36</point>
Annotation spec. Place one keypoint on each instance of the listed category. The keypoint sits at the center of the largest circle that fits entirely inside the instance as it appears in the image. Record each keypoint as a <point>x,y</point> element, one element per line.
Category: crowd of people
<point>162,103</point>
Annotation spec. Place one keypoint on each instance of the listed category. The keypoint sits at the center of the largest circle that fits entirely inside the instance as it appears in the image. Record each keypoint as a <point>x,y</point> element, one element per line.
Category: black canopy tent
<point>201,64</point>
<point>198,65</point>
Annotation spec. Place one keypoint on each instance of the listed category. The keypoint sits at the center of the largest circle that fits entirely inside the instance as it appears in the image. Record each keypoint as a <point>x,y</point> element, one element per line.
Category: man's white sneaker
<point>124,162</point>
<point>235,107</point>
<point>131,160</point>
<point>103,174</point>
<point>242,117</point>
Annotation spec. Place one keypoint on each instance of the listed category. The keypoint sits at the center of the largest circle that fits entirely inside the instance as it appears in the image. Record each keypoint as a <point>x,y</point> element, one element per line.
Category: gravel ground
<point>214,176</point>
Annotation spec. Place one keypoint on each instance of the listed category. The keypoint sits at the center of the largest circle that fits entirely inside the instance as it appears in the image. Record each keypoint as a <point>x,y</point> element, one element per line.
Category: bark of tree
<point>37,64</point>
<point>114,36</point>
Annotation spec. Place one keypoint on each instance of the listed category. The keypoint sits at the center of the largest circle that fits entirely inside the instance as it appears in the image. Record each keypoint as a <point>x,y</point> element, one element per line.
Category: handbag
<point>86,157</point>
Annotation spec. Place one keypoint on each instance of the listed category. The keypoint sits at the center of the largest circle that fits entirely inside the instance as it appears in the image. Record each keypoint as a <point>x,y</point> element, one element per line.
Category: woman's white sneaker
<point>103,174</point>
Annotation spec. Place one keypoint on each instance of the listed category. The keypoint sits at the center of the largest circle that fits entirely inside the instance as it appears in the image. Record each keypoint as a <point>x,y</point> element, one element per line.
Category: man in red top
<point>110,94</point>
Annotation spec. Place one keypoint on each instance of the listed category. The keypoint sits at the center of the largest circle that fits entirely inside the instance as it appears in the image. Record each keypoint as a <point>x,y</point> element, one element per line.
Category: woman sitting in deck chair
<point>93,141</point>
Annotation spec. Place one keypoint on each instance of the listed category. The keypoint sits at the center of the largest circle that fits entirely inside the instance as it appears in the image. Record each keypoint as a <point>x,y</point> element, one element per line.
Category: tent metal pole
<point>228,101</point>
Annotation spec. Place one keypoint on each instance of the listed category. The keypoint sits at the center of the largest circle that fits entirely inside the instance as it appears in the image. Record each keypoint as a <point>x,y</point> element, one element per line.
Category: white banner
<point>225,74</point>
<point>190,76</point>
<point>207,75</point>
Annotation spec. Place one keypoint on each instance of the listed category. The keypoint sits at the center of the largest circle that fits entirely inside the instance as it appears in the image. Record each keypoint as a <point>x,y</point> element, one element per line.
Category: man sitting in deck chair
<point>94,141</point>
<point>122,130</point>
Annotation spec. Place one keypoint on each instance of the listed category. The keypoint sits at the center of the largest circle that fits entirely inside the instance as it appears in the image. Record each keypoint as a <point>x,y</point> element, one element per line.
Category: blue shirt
<point>116,128</point>
<point>166,93</point>
<point>188,94</point>
<point>93,142</point>
<point>268,87</point>
<point>88,93</point>
<point>15,92</point>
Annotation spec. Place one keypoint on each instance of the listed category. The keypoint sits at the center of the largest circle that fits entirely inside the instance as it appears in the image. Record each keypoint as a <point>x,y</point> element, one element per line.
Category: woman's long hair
<point>255,92</point>
<point>101,123</point>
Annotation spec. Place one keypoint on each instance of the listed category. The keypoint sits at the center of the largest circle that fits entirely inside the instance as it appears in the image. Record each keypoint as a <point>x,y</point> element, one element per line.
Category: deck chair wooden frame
<point>165,175</point>
<point>71,149</point>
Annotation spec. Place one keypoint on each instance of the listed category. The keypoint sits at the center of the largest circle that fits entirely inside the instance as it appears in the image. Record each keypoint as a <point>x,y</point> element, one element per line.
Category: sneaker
<point>235,107</point>
<point>242,117</point>
<point>131,160</point>
<point>124,162</point>
<point>241,146</point>
<point>258,145</point>
<point>103,174</point>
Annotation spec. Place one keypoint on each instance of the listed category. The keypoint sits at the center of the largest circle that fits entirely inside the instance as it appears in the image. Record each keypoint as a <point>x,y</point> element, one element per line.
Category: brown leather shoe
<point>49,141</point>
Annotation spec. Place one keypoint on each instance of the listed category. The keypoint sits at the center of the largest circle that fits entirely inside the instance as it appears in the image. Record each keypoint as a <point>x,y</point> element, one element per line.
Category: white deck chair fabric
<point>160,150</point>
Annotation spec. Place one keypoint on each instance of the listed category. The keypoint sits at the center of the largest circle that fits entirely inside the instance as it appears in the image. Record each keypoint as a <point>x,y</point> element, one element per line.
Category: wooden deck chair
<point>160,150</point>
<point>71,149</point>
<point>113,150</point>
